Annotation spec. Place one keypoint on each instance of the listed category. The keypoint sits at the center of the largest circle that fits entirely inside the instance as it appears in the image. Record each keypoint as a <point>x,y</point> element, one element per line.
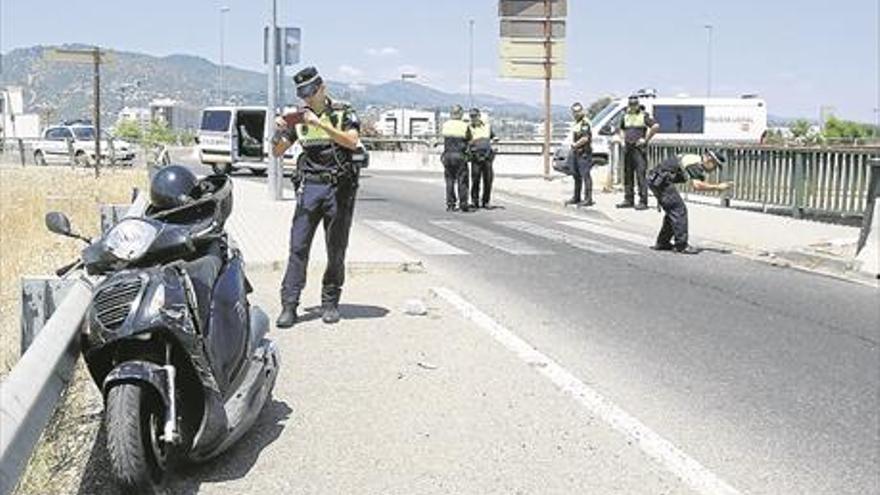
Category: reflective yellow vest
<point>316,136</point>
<point>632,120</point>
<point>455,129</point>
<point>687,159</point>
<point>482,131</point>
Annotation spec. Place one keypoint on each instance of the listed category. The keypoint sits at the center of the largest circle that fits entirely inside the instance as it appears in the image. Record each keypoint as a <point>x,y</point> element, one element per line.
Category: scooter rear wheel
<point>133,421</point>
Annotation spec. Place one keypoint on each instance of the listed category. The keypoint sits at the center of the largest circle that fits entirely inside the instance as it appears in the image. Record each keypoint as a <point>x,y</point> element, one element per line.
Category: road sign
<point>516,48</point>
<point>531,69</point>
<point>531,28</point>
<point>77,56</point>
<point>289,42</point>
<point>531,8</point>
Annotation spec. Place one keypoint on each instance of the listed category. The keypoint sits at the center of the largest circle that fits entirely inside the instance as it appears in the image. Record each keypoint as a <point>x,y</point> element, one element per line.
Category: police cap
<point>718,157</point>
<point>475,113</point>
<point>307,82</point>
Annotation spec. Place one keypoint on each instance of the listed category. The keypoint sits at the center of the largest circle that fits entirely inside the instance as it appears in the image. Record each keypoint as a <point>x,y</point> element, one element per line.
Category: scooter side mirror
<point>58,223</point>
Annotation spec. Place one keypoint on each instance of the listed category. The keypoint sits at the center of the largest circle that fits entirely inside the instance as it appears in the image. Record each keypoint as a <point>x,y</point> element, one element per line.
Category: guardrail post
<point>39,298</point>
<point>112,151</point>
<point>726,174</point>
<point>21,150</point>
<point>70,155</point>
<point>800,186</point>
<point>873,194</point>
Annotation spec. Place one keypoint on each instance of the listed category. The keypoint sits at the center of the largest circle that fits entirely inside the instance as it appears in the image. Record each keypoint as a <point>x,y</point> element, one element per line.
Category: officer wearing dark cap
<point>636,129</point>
<point>662,179</point>
<point>456,137</point>
<point>328,132</point>
<point>482,156</point>
<point>581,157</point>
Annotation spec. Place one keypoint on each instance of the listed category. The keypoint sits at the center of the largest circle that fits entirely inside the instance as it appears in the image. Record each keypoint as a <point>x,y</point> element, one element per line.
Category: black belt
<point>320,178</point>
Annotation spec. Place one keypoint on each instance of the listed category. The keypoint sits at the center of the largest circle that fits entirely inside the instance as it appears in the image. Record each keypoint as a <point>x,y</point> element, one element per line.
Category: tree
<point>129,130</point>
<point>158,132</point>
<point>598,105</point>
<point>844,129</point>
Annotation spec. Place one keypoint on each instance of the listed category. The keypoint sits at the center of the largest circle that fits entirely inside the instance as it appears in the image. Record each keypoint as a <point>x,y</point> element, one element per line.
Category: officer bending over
<point>482,155</point>
<point>456,137</point>
<point>581,157</point>
<point>328,132</point>
<point>662,179</point>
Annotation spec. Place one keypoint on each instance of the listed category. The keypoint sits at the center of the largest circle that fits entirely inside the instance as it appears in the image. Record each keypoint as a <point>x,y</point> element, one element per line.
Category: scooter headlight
<point>129,239</point>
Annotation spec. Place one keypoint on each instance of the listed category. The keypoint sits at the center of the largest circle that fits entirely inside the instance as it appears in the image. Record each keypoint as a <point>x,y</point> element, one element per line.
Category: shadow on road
<point>347,312</point>
<point>236,463</point>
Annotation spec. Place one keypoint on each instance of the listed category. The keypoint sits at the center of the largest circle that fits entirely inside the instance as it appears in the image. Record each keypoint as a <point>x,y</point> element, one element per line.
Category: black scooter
<point>181,356</point>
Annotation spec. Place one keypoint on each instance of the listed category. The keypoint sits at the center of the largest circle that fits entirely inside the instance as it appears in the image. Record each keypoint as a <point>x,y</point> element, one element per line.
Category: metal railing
<point>804,179</point>
<point>434,144</point>
<point>28,152</point>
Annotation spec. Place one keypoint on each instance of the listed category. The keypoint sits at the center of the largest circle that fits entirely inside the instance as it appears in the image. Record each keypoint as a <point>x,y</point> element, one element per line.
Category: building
<point>140,115</point>
<point>407,122</point>
<point>177,115</point>
<point>14,123</point>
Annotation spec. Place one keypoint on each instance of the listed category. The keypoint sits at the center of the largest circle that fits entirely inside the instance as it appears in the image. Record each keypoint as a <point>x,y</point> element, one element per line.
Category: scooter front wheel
<point>133,421</point>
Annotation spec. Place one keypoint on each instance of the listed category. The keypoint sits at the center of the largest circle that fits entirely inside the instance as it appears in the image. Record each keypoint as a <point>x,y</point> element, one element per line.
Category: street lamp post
<point>223,11</point>
<point>276,175</point>
<point>471,67</point>
<point>709,30</point>
<point>404,129</point>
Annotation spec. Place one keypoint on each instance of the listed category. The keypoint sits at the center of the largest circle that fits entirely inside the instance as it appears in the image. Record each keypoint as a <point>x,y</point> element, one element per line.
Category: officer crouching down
<point>662,179</point>
<point>328,132</point>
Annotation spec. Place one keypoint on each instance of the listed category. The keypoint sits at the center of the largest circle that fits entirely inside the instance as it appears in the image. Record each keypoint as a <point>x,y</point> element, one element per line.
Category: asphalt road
<point>768,377</point>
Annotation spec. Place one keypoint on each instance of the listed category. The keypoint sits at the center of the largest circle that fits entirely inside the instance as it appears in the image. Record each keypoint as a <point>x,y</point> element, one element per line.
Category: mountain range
<point>63,91</point>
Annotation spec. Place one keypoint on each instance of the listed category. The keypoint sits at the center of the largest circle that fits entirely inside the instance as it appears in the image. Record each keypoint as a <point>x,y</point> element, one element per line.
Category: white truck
<point>232,138</point>
<point>685,119</point>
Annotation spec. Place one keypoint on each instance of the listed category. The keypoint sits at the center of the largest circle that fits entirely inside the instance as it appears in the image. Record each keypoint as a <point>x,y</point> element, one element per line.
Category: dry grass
<point>27,248</point>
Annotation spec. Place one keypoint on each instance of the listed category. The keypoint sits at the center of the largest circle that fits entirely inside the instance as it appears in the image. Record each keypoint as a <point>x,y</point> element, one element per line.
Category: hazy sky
<point>798,55</point>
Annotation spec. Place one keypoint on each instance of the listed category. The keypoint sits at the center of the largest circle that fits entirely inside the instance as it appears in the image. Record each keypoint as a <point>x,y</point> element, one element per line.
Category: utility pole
<point>276,175</point>
<point>405,130</point>
<point>548,76</point>
<point>709,30</point>
<point>471,67</point>
<point>223,11</point>
<point>96,60</point>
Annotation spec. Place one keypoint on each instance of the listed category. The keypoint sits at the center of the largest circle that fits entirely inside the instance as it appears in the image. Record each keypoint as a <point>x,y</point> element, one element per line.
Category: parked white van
<point>686,119</point>
<point>232,138</point>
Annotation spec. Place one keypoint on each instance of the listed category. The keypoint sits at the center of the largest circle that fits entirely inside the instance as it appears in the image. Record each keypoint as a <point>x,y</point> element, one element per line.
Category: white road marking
<point>608,232</point>
<point>700,478</point>
<point>564,237</point>
<point>419,241</point>
<point>490,238</point>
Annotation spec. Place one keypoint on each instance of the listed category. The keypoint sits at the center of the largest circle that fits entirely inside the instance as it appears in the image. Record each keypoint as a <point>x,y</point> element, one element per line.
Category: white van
<point>686,119</point>
<point>232,138</point>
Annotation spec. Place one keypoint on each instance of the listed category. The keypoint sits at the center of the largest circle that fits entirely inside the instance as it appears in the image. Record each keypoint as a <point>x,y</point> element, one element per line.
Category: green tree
<point>158,132</point>
<point>844,129</point>
<point>129,130</point>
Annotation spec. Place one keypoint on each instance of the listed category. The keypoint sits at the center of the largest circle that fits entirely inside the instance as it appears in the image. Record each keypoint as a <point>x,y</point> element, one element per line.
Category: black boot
<point>288,317</point>
<point>331,314</point>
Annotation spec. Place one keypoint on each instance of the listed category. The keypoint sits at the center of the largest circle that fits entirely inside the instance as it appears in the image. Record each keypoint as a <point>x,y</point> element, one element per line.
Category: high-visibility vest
<point>686,160</point>
<point>633,120</point>
<point>317,136</point>
<point>482,131</point>
<point>455,129</point>
<point>580,127</point>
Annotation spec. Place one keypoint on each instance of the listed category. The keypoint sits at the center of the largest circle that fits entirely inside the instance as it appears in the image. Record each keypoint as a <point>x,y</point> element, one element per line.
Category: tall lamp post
<point>709,32</point>
<point>223,11</point>
<point>471,67</point>
<point>404,129</point>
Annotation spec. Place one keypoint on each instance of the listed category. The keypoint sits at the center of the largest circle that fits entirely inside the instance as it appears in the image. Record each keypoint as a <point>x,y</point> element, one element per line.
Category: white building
<point>14,123</point>
<point>407,122</point>
<point>139,115</point>
<point>178,115</point>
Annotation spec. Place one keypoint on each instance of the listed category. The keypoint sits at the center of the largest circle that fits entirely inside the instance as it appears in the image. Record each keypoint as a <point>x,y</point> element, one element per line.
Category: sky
<point>799,55</point>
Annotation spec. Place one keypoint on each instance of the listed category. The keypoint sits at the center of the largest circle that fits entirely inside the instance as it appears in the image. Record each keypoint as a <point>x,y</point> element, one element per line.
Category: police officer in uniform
<point>456,137</point>
<point>581,157</point>
<point>662,179</point>
<point>328,132</point>
<point>636,130</point>
<point>482,155</point>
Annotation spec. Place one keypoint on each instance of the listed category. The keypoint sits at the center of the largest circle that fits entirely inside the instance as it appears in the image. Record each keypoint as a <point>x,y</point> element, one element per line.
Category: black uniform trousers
<point>581,166</point>
<point>455,170</point>
<point>332,205</point>
<point>635,165</point>
<point>675,220</point>
<point>482,171</point>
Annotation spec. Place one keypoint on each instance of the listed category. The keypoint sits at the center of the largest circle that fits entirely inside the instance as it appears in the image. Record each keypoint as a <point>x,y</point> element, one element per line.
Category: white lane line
<point>419,241</point>
<point>607,232</point>
<point>700,478</point>
<point>564,237</point>
<point>490,238</point>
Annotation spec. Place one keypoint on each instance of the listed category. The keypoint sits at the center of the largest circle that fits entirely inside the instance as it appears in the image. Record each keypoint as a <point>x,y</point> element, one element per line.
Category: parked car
<point>56,142</point>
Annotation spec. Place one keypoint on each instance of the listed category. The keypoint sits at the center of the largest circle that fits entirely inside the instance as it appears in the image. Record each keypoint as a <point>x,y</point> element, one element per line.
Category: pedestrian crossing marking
<point>608,232</point>
<point>415,239</point>
<point>564,237</point>
<point>492,239</point>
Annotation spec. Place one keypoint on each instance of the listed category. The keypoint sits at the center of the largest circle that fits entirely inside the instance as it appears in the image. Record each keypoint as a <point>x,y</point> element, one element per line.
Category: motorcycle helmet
<point>172,187</point>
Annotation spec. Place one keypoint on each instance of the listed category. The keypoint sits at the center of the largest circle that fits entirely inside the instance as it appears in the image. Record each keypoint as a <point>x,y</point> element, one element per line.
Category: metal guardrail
<point>433,144</point>
<point>30,392</point>
<point>805,179</point>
